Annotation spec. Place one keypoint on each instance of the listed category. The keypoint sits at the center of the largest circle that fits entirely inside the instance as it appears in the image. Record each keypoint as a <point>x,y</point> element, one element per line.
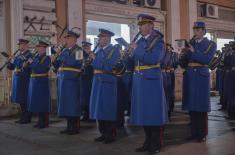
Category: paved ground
<point>18,139</point>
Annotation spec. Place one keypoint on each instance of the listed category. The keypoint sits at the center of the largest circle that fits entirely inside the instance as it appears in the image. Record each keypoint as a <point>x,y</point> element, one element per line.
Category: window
<point>221,42</point>
<point>120,30</point>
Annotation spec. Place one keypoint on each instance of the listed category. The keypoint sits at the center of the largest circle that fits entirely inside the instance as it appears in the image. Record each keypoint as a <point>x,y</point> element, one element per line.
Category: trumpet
<point>9,60</point>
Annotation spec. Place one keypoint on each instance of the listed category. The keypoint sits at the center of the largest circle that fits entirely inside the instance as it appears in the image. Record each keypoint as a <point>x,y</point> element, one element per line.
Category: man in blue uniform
<point>148,107</point>
<point>226,79</point>
<point>69,63</point>
<point>20,81</point>
<point>231,78</point>
<point>103,101</point>
<point>39,98</point>
<point>171,66</point>
<point>196,82</point>
<point>86,80</point>
<point>168,65</point>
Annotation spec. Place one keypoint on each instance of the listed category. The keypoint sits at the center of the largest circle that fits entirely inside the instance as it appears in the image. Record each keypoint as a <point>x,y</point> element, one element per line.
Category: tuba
<point>216,60</point>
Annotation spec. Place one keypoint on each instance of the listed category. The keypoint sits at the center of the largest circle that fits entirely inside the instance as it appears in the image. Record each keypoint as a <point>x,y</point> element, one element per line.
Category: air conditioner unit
<point>210,10</point>
<point>156,4</point>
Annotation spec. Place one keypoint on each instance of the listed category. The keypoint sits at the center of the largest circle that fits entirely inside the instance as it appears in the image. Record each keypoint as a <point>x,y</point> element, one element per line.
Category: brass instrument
<point>216,60</point>
<point>9,60</point>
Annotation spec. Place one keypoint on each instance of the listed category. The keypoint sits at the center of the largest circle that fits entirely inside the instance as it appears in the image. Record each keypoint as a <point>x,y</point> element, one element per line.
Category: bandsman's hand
<point>53,58</point>
<point>92,56</point>
<point>133,45</point>
<point>30,60</point>
<point>191,48</point>
<point>25,64</point>
<point>11,58</point>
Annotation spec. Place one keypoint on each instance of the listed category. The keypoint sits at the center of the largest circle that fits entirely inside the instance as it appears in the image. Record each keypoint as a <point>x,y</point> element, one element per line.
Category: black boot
<point>25,115</point>
<point>43,120</point>
<point>110,132</point>
<point>146,144</point>
<point>66,130</point>
<point>74,129</point>
<point>156,140</point>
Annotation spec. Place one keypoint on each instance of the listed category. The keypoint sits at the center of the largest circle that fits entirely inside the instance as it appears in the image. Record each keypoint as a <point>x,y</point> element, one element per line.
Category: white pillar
<point>75,15</point>
<point>192,15</point>
<point>16,22</point>
<point>173,21</point>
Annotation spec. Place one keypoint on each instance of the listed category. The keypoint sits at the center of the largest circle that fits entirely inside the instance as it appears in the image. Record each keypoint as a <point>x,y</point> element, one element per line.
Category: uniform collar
<point>146,37</point>
<point>199,40</point>
<point>71,47</point>
<point>105,47</point>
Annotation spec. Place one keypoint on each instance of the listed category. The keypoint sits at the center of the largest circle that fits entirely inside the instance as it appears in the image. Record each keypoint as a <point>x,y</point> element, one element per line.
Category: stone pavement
<point>18,139</point>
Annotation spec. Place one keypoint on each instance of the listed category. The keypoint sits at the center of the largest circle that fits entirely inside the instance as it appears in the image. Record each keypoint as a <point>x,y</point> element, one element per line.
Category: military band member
<point>225,77</point>
<point>103,101</point>
<point>127,83</point>
<point>69,63</point>
<point>124,90</point>
<point>20,82</point>
<point>166,76</point>
<point>220,78</point>
<point>39,98</point>
<point>86,80</point>
<point>196,82</point>
<point>148,107</point>
<point>231,78</point>
<point>171,66</point>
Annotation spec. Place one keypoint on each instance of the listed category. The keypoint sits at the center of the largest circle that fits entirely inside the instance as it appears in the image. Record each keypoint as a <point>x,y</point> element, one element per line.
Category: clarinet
<point>129,50</point>
<point>9,60</point>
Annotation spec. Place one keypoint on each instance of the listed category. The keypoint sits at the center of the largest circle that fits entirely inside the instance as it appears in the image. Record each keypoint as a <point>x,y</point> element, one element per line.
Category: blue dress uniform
<point>68,86</point>
<point>226,79</point>
<point>172,66</point>
<point>196,85</point>
<point>148,106</point>
<point>231,87</point>
<point>127,83</point>
<point>86,83</point>
<point>168,66</point>
<point>166,77</point>
<point>124,90</point>
<point>103,101</point>
<point>20,82</point>
<point>222,75</point>
<point>219,78</point>
<point>39,98</point>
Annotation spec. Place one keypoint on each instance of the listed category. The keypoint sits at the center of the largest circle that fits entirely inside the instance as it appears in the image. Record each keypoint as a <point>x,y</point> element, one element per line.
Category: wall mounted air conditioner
<point>210,10</point>
<point>156,4</point>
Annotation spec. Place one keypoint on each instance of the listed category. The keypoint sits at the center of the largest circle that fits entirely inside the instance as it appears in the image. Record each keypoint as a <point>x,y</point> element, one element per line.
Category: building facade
<point>49,18</point>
